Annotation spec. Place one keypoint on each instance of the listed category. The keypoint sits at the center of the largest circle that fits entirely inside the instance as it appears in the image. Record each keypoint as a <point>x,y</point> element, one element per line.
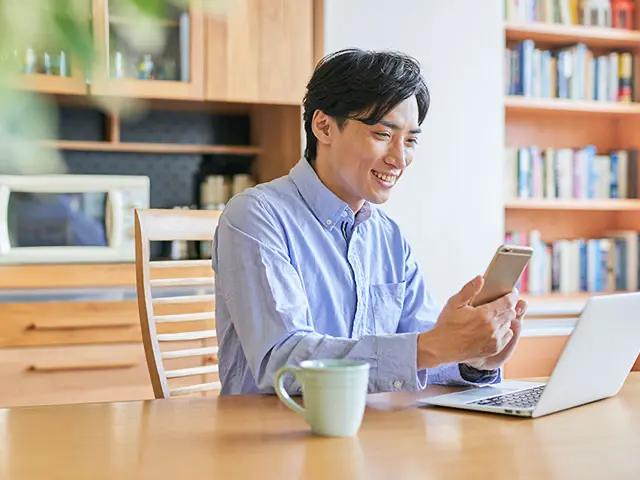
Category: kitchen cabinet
<point>260,51</point>
<point>73,342</point>
<point>173,71</point>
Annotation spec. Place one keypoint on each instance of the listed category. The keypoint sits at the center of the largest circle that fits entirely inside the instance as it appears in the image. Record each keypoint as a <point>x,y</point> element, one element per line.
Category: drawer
<point>75,323</point>
<point>80,374</point>
<point>55,323</point>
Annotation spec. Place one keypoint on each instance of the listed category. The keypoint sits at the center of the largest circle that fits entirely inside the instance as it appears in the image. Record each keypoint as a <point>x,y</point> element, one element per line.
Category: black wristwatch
<point>474,375</point>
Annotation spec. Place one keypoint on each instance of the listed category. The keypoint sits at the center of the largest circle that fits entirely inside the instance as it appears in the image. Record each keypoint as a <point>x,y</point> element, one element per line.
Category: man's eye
<point>412,141</point>
<point>383,135</point>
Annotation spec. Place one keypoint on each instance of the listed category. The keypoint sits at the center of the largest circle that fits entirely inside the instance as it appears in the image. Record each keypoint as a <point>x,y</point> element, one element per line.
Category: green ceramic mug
<point>334,394</point>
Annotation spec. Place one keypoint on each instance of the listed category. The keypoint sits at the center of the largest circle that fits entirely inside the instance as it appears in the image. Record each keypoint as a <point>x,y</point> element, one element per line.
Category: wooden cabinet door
<point>126,67</point>
<point>260,51</point>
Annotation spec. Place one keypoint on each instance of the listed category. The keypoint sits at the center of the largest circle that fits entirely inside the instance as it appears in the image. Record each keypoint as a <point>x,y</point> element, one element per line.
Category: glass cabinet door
<point>44,62</point>
<point>148,56</point>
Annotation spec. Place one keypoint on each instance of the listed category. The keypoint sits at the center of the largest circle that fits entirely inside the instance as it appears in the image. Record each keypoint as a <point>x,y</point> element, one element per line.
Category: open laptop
<point>594,364</point>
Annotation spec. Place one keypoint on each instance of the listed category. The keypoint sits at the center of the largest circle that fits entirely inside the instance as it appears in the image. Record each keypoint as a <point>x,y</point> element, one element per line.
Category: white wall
<point>449,203</point>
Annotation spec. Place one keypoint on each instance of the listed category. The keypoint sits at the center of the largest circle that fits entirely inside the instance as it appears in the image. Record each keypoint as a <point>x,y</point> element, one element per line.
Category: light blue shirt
<point>299,276</point>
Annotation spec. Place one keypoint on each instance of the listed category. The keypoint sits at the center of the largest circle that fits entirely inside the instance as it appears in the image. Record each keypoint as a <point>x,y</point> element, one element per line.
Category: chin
<point>377,199</point>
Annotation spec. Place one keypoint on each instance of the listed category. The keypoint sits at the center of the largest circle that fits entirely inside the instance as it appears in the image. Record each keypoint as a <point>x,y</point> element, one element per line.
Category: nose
<point>397,155</point>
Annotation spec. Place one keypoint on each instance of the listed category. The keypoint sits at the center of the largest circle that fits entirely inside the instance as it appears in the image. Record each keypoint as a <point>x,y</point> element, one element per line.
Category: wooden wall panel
<point>277,129</point>
<point>535,357</point>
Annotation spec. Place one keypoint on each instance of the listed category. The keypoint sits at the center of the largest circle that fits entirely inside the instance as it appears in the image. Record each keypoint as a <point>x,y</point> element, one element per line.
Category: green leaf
<point>74,31</point>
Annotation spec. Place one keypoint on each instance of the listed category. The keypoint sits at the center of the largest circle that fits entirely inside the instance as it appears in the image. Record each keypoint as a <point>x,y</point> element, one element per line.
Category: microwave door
<point>113,218</point>
<point>57,219</point>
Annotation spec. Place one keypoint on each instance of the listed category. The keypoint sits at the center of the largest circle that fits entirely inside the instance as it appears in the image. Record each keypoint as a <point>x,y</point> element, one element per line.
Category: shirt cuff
<point>450,374</point>
<point>473,375</point>
<point>397,361</point>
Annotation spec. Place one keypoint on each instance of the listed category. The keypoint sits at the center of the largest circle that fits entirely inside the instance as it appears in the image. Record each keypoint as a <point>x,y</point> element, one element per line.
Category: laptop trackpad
<point>481,392</point>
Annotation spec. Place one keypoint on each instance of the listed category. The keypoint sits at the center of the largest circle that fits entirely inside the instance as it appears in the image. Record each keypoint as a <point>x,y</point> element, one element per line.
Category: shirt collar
<point>325,205</point>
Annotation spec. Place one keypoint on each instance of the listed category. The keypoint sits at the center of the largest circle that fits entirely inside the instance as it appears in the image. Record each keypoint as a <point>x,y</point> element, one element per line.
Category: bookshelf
<point>597,114</point>
<point>533,106</point>
<point>555,34</point>
<point>588,205</point>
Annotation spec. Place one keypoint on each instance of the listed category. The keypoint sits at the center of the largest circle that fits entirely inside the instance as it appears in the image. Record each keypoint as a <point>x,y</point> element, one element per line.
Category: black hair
<point>361,85</point>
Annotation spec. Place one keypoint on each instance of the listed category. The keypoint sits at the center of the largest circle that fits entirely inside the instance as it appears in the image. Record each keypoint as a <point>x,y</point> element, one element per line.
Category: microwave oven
<point>69,218</point>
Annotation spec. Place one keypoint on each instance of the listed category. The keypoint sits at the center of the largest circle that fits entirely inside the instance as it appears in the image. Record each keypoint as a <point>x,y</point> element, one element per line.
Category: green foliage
<point>36,27</point>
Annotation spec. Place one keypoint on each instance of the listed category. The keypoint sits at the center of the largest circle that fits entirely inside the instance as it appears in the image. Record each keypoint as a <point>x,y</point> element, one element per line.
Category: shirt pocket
<point>385,306</point>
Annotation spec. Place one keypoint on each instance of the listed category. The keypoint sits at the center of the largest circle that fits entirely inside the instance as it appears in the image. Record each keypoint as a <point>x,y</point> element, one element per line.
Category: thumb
<point>466,293</point>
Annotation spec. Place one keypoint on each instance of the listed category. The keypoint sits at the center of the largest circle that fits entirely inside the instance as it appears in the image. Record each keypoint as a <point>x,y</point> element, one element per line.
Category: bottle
<point>30,62</point>
<point>63,65</point>
<point>241,182</point>
<point>213,196</point>
<point>118,65</point>
<point>179,248</point>
<point>46,62</point>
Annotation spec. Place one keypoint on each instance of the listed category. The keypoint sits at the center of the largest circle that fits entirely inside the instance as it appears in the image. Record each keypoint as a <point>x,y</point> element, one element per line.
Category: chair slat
<point>174,337</point>
<point>184,317</point>
<point>192,352</point>
<point>181,282</point>
<point>184,299</point>
<point>195,388</point>
<point>179,263</point>
<point>189,372</point>
<point>187,289</point>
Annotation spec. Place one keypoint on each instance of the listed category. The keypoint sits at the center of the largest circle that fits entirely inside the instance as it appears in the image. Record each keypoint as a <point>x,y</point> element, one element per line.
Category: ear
<point>323,127</point>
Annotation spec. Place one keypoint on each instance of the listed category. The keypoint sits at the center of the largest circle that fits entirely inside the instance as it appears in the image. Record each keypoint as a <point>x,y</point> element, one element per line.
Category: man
<point>307,267</point>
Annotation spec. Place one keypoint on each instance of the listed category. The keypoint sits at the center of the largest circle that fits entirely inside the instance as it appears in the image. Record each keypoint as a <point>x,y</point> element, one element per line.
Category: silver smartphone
<point>503,273</point>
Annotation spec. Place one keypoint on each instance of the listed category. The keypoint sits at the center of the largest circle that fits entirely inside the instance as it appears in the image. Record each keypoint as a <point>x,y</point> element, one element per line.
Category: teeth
<point>386,178</point>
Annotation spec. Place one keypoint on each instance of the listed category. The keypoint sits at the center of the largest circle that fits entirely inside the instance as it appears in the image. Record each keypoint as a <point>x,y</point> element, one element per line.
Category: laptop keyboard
<point>521,399</point>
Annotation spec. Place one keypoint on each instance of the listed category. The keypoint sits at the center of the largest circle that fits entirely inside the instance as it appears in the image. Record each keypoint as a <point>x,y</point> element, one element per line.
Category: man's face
<point>367,161</point>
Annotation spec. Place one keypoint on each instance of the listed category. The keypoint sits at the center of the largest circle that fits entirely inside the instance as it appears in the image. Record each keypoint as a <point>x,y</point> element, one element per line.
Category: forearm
<point>444,370</point>
<point>392,359</point>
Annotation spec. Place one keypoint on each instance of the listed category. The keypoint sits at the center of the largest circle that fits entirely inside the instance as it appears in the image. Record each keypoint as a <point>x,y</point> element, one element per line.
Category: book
<point>569,173</point>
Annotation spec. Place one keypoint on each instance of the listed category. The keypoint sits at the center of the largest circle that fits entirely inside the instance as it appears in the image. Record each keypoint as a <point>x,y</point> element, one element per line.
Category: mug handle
<point>282,393</point>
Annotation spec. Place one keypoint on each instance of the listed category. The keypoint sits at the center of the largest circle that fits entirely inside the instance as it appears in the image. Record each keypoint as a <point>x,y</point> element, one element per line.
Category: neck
<point>330,180</point>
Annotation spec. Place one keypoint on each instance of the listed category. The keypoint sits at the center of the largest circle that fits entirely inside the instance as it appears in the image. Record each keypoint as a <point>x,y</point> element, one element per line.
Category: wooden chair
<point>178,331</point>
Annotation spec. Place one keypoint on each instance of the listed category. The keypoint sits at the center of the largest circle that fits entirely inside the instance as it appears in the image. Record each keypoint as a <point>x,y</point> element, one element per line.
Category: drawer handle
<point>86,326</point>
<point>80,367</point>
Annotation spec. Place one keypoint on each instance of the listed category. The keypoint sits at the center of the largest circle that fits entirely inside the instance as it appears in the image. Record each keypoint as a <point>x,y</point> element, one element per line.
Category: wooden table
<point>257,437</point>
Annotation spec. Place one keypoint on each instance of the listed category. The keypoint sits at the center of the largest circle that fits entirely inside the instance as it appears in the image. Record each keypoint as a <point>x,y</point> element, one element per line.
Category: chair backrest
<point>176,301</point>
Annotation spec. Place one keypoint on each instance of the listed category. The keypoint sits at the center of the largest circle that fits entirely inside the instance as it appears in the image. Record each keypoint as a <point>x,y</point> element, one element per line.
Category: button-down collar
<point>325,205</point>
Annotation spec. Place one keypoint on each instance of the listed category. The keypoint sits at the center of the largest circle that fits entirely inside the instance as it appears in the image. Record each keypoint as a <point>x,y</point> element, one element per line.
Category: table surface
<point>258,437</point>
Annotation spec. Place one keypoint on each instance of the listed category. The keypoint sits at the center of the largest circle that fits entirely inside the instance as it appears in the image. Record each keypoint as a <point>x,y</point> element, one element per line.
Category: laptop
<point>594,365</point>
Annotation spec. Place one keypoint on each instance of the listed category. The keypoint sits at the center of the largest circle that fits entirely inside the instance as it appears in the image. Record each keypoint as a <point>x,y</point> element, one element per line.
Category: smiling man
<point>308,267</point>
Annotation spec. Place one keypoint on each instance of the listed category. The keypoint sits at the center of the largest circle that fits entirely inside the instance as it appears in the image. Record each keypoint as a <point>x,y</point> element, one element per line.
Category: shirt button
<point>397,384</point>
<point>328,222</point>
<point>344,214</point>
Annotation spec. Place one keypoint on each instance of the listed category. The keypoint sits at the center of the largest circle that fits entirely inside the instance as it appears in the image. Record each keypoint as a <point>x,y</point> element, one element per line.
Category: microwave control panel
<point>132,198</point>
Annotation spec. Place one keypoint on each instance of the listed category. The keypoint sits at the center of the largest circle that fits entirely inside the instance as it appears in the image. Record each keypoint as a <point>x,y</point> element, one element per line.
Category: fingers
<point>521,308</point>
<point>502,330</point>
<point>506,339</point>
<point>503,304</point>
<point>466,293</point>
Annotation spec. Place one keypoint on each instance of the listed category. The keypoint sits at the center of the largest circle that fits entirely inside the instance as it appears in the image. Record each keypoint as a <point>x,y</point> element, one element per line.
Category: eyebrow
<point>393,126</point>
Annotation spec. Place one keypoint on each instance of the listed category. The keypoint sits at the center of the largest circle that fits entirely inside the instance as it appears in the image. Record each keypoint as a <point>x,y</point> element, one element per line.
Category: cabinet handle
<point>80,367</point>
<point>86,326</point>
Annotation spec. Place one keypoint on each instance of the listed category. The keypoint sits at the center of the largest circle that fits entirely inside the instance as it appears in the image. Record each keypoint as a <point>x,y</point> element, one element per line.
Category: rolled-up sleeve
<point>419,313</point>
<point>270,311</point>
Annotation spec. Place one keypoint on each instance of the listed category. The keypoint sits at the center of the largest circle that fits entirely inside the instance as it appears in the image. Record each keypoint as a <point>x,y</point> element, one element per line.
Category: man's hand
<point>483,337</point>
<point>497,360</point>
